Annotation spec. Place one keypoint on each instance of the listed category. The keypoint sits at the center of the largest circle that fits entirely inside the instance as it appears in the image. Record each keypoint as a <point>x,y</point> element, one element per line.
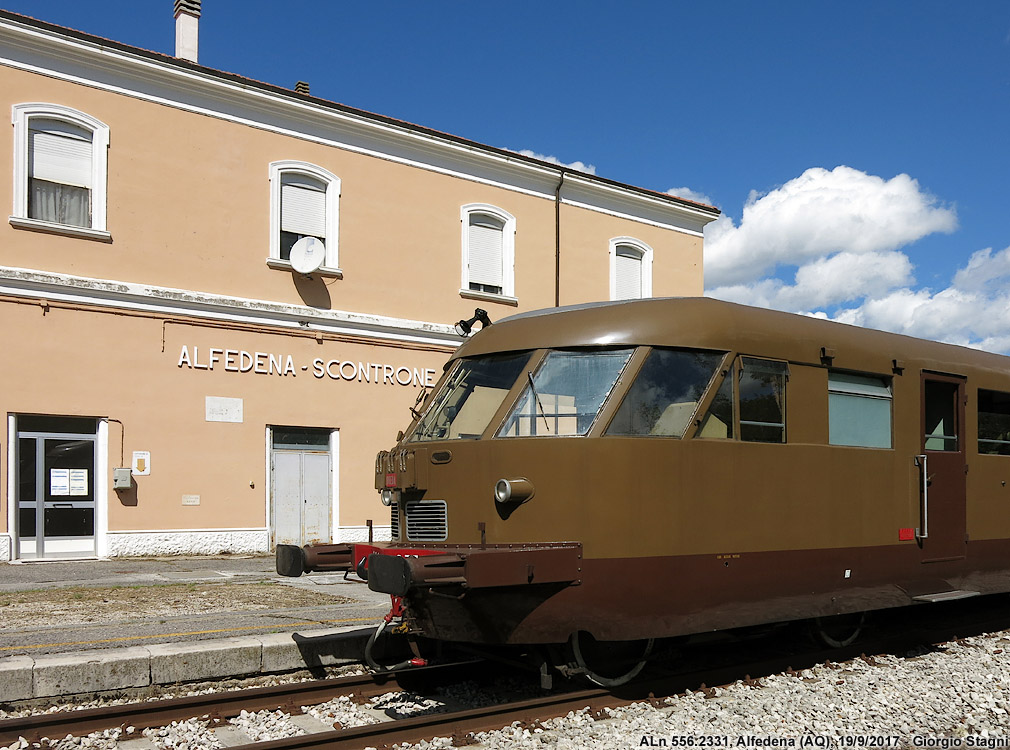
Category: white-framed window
<point>304,202</point>
<point>60,170</point>
<point>488,241</point>
<point>630,269</point>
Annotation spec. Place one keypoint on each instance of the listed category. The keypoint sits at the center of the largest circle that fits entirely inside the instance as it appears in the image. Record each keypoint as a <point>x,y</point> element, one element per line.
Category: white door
<point>301,485</point>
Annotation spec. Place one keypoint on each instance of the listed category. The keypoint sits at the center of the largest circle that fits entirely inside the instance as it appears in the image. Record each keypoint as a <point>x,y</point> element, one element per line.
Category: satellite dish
<point>308,254</point>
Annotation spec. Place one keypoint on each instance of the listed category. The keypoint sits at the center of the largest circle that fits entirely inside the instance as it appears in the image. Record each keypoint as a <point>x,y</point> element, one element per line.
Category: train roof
<point>705,323</point>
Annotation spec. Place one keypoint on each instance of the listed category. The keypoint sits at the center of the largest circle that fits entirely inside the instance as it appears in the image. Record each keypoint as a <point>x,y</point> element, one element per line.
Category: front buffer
<point>492,593</point>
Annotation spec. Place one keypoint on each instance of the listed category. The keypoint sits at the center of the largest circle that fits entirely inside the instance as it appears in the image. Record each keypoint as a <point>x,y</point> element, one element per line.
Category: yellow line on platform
<point>192,632</point>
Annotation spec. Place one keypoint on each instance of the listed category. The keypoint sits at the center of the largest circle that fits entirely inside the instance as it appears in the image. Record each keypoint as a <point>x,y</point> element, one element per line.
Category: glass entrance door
<point>56,488</point>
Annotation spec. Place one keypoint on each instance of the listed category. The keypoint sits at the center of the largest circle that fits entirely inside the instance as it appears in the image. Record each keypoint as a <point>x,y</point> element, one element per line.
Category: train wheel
<point>609,663</point>
<point>838,631</point>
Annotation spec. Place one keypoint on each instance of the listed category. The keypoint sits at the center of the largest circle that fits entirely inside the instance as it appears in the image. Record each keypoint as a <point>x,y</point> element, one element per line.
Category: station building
<point>220,298</point>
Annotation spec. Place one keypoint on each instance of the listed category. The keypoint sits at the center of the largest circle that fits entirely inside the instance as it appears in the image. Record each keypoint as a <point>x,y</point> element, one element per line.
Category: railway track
<point>703,667</point>
<point>287,697</point>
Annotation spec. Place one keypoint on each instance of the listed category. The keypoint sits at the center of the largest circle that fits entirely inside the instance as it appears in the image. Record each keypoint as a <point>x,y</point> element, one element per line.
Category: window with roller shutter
<point>60,170</point>
<point>304,203</point>
<point>488,252</point>
<point>630,269</point>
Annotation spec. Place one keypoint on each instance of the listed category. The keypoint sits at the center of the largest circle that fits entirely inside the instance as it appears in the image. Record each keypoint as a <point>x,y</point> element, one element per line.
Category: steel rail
<point>161,712</point>
<point>455,724</point>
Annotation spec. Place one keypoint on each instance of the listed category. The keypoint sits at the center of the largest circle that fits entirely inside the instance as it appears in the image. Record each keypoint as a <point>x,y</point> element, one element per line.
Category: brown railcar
<point>655,468</point>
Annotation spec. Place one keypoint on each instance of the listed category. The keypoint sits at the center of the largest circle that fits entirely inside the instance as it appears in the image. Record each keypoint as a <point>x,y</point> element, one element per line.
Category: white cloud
<point>576,165</point>
<point>985,272</point>
<point>691,195</point>
<point>816,215</point>
<point>825,282</point>
<point>962,313</point>
<point>845,233</point>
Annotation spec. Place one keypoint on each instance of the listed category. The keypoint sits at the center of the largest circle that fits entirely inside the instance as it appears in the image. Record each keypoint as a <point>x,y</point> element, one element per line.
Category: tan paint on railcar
<point>636,497</point>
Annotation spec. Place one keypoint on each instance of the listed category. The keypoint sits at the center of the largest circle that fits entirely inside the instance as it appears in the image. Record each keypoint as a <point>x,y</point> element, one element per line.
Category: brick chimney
<point>187,29</point>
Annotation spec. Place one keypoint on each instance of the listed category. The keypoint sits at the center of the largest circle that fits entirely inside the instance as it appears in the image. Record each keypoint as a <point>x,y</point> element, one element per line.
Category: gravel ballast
<point>954,696</point>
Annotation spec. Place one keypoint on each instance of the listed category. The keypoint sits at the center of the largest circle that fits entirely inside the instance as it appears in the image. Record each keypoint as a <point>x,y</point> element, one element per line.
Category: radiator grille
<point>426,521</point>
<point>394,521</point>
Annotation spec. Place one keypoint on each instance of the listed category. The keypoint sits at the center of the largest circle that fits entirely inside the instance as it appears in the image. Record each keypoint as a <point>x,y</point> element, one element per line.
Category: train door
<point>301,485</point>
<point>942,468</point>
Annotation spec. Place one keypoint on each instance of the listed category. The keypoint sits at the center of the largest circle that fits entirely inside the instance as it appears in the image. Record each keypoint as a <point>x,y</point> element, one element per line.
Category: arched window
<point>630,269</point>
<point>60,170</point>
<point>488,239</point>
<point>304,202</point>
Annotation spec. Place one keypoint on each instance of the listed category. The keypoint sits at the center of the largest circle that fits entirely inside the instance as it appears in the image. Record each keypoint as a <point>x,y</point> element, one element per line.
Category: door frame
<point>14,500</point>
<point>334,452</point>
<point>947,512</point>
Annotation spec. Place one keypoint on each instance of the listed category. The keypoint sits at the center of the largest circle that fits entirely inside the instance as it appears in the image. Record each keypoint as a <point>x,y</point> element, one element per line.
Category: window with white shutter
<point>630,269</point>
<point>304,203</point>
<point>488,252</point>
<point>485,259</point>
<point>303,210</point>
<point>60,170</point>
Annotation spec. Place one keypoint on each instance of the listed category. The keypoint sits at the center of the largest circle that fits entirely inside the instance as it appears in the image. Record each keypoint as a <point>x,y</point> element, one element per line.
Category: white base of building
<point>188,542</point>
<point>359,534</point>
<point>201,541</point>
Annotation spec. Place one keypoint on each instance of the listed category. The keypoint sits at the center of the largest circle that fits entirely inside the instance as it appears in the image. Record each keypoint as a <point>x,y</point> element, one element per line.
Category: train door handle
<point>921,462</point>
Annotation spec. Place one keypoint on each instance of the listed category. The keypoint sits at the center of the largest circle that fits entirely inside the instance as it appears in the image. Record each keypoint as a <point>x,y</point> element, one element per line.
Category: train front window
<point>718,422</point>
<point>466,402</point>
<point>665,393</point>
<point>762,396</point>
<point>566,393</point>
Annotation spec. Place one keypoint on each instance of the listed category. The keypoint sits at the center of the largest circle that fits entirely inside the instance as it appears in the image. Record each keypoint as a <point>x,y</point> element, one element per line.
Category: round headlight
<point>503,491</point>
<point>515,490</point>
<point>387,496</point>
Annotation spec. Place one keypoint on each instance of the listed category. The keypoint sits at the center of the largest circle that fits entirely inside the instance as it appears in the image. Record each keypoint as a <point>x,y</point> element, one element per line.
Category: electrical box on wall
<point>121,479</point>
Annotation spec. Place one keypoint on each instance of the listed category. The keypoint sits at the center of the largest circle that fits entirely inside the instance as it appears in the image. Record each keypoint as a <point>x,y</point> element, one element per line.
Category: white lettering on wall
<point>283,365</point>
<point>371,372</point>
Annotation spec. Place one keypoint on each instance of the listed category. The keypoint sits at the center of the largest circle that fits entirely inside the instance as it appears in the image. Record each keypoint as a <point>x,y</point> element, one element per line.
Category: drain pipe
<point>557,241</point>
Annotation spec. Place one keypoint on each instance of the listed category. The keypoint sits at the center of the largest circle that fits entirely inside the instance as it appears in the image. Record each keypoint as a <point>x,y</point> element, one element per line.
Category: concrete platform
<point>50,657</point>
<point>54,675</point>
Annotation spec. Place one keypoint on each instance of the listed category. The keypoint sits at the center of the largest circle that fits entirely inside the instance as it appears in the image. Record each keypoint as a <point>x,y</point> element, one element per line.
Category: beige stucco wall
<point>74,361</point>
<point>189,208</point>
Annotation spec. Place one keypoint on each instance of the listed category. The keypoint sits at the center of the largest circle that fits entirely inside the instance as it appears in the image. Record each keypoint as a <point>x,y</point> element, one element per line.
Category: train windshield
<point>466,402</point>
<point>566,394</point>
<point>666,392</point>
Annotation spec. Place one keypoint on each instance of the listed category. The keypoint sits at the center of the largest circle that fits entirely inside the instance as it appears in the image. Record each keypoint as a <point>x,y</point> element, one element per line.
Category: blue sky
<point>860,151</point>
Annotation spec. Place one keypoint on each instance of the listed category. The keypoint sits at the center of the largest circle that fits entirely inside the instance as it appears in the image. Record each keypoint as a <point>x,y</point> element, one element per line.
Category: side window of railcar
<point>762,396</point>
<point>859,410</point>
<point>994,422</point>
<point>566,393</point>
<point>469,398</point>
<point>665,393</point>
<point>756,389</point>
